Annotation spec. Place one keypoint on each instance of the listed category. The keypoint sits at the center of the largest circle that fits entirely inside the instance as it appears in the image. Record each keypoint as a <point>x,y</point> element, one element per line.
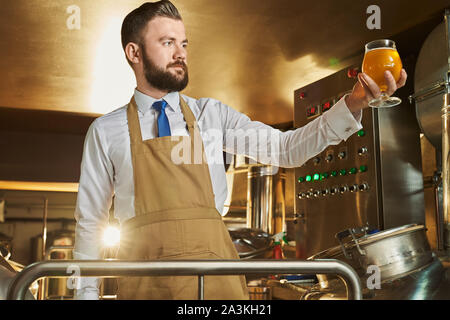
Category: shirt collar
<point>145,102</point>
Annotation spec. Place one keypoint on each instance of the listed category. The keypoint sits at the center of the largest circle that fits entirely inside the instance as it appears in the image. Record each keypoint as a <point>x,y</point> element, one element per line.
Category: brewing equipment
<point>393,264</point>
<point>59,246</point>
<point>431,89</point>
<point>6,278</point>
<point>265,198</point>
<point>8,271</point>
<point>260,191</point>
<point>373,179</point>
<point>395,252</point>
<point>389,157</point>
<point>252,243</point>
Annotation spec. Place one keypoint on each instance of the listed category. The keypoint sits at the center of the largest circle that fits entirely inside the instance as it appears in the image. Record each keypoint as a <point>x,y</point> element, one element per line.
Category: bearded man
<point>171,209</point>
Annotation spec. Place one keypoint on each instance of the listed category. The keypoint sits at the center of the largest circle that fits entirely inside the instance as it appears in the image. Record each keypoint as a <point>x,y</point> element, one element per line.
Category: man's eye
<point>167,43</point>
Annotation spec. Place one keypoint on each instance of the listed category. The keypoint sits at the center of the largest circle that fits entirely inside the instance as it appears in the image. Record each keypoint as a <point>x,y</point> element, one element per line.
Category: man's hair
<point>135,22</point>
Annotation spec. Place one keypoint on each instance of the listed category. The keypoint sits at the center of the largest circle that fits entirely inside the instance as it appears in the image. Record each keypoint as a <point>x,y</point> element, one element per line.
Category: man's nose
<point>180,53</point>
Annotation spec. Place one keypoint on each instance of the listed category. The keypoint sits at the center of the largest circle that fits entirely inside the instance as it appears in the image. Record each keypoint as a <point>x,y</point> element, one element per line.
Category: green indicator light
<point>308,178</point>
<point>324,175</point>
<point>362,168</point>
<point>352,171</point>
<point>333,173</point>
<point>342,172</point>
<point>361,133</point>
<point>301,179</point>
<point>333,62</point>
<point>316,176</point>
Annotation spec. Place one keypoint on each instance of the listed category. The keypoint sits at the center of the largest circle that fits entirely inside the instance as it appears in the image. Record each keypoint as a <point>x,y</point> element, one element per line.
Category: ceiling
<point>250,54</point>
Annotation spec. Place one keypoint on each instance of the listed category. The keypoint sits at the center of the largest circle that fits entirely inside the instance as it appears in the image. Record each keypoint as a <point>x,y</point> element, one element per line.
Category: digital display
<point>312,111</point>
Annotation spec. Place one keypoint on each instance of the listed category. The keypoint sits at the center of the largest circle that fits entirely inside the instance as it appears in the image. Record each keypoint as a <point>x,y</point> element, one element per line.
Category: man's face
<point>164,55</point>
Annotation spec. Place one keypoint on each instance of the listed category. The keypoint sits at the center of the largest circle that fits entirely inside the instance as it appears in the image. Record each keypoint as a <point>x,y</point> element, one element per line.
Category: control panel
<point>335,171</point>
<point>337,188</point>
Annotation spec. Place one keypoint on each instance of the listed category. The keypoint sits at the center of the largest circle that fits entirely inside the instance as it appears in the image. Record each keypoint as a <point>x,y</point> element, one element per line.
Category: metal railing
<point>200,268</point>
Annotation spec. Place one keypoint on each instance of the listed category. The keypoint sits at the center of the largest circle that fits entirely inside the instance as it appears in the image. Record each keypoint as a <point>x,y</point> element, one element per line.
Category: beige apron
<point>176,218</point>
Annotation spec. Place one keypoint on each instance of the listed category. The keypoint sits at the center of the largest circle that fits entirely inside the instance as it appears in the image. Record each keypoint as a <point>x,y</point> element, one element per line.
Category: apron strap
<point>191,122</point>
<point>133,122</point>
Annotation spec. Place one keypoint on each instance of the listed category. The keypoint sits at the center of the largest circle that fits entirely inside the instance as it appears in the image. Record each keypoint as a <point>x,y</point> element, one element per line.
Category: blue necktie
<point>163,122</point>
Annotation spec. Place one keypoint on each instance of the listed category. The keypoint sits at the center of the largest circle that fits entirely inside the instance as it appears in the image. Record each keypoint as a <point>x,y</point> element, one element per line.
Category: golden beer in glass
<point>382,55</point>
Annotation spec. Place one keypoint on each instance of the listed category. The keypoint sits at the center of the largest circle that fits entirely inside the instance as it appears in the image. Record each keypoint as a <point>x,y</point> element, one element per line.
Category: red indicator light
<point>326,106</point>
<point>302,95</point>
<point>352,72</point>
<point>312,111</point>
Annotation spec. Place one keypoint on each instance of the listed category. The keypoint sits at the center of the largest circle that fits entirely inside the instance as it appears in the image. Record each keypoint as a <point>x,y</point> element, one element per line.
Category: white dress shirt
<point>106,168</point>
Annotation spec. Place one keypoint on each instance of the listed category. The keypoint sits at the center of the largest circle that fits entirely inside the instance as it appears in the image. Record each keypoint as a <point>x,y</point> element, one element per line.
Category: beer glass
<point>382,55</point>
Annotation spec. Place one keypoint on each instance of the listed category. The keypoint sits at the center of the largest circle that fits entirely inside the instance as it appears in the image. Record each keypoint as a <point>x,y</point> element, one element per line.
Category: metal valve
<point>363,187</point>
<point>362,150</point>
<point>334,190</point>
<point>343,189</point>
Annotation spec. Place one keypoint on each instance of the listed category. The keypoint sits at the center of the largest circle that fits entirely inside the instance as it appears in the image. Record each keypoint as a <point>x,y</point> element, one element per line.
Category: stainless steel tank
<point>408,269</point>
<point>432,282</point>
<point>6,277</point>
<point>265,198</point>
<point>395,252</point>
<point>55,288</point>
<point>8,270</point>
<point>432,99</point>
<point>431,83</point>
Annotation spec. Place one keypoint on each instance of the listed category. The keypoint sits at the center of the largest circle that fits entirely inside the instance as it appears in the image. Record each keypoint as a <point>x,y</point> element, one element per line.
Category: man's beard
<point>162,79</point>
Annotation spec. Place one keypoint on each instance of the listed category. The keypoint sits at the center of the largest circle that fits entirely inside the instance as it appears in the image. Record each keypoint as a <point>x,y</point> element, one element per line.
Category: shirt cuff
<point>342,121</point>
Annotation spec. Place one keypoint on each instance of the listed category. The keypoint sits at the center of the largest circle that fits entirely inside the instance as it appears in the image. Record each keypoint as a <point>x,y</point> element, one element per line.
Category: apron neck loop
<point>135,128</point>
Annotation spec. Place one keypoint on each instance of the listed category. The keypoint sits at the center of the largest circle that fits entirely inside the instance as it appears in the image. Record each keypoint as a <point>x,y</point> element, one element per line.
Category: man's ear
<point>133,52</point>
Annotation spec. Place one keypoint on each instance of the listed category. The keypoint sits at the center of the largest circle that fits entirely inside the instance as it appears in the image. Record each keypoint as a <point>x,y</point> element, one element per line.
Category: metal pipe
<point>44,227</point>
<point>445,169</point>
<point>445,145</point>
<point>123,268</point>
<point>201,287</point>
<point>438,217</point>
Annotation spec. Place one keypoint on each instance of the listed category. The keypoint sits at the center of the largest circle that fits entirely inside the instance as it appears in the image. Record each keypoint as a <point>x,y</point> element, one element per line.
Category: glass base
<point>384,101</point>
